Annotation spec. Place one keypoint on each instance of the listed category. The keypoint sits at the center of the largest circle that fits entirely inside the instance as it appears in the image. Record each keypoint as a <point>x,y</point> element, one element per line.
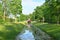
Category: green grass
<point>52,29</point>
<point>10,31</point>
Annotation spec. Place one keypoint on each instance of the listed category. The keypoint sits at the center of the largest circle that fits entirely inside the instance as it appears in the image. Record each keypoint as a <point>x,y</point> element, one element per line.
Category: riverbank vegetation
<point>9,31</point>
<point>52,29</point>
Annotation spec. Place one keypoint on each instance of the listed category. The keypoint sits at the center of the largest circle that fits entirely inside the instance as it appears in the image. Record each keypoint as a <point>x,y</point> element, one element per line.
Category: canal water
<point>26,34</point>
<point>32,33</point>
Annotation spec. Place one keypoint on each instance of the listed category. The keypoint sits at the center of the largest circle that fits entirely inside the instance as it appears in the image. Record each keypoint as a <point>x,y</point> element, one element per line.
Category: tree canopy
<point>49,11</point>
<point>8,7</point>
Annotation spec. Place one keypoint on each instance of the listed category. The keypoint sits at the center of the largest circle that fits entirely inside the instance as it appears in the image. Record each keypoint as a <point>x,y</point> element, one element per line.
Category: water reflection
<point>27,35</point>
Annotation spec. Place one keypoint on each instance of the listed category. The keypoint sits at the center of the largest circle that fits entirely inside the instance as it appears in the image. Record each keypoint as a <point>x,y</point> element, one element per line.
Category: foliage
<point>10,7</point>
<point>23,17</point>
<point>15,6</point>
<point>50,11</point>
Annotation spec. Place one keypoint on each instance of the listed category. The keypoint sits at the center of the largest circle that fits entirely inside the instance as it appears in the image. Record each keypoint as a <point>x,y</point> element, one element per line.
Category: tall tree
<point>50,11</point>
<point>4,4</point>
<point>11,6</point>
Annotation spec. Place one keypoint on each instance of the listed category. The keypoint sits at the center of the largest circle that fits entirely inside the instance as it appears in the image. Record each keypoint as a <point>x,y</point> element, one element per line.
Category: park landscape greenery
<point>46,17</point>
<point>48,12</point>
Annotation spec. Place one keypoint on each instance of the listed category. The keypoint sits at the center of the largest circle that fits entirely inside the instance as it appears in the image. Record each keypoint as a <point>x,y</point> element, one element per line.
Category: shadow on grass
<point>52,29</point>
<point>11,31</point>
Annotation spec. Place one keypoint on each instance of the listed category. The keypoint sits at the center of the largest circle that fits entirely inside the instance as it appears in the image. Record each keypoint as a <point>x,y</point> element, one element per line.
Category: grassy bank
<point>52,29</point>
<point>9,31</point>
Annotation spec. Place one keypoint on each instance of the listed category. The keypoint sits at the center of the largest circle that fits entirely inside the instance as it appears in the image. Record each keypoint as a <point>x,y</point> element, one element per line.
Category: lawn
<point>9,31</point>
<point>52,29</point>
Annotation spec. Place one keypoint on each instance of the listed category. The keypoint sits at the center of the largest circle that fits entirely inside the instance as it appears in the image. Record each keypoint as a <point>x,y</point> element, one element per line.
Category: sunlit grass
<point>22,22</point>
<point>52,29</point>
<point>9,32</point>
<point>2,28</point>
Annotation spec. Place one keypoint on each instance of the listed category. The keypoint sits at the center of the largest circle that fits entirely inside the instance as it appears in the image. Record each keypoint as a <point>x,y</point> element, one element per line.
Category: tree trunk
<point>4,8</point>
<point>43,20</point>
<point>57,19</point>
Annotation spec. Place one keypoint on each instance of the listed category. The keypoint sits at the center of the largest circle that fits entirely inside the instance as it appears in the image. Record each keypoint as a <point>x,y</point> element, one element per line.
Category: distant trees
<point>48,12</point>
<point>23,17</point>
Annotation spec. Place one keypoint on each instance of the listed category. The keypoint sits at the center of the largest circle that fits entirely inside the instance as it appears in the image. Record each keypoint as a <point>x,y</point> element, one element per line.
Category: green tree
<point>49,11</point>
<point>11,6</point>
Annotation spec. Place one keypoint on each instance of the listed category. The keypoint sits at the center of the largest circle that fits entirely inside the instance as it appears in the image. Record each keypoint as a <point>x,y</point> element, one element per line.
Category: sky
<point>28,6</point>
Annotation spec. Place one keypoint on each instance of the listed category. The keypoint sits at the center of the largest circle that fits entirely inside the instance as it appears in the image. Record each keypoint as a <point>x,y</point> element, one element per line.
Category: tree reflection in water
<point>27,35</point>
